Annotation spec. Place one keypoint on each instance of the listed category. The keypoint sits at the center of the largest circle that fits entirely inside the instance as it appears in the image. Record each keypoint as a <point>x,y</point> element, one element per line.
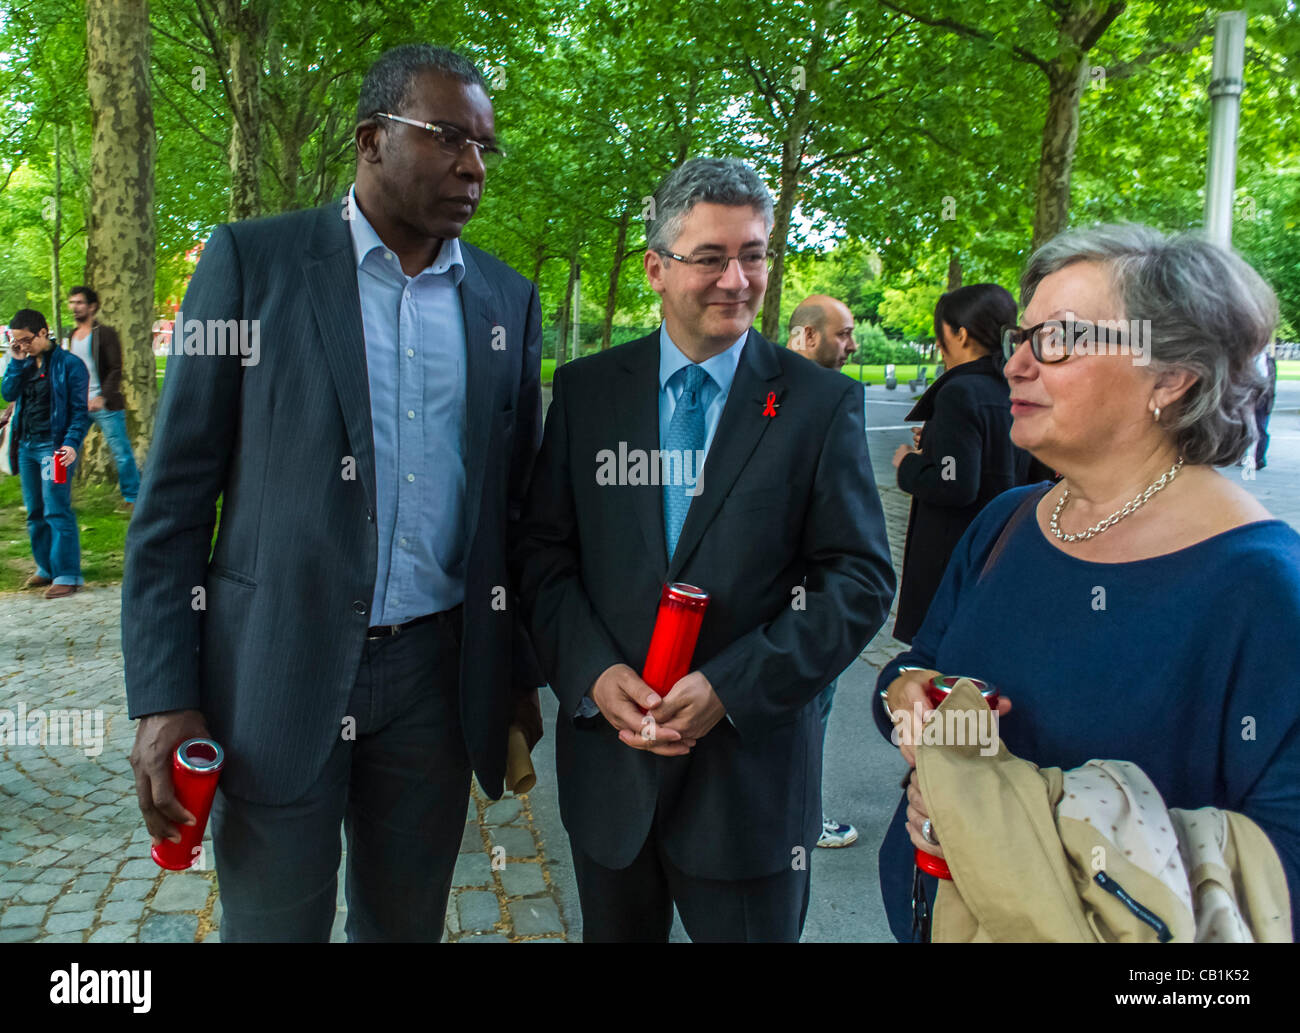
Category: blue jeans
<point>113,425</point>
<point>51,524</point>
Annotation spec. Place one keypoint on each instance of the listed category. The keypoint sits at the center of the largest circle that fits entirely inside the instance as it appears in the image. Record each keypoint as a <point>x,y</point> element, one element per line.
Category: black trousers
<point>635,904</point>
<point>400,789</point>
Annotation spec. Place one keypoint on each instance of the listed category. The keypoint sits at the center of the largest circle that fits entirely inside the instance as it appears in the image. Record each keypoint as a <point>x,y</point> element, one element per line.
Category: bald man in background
<point>821,329</point>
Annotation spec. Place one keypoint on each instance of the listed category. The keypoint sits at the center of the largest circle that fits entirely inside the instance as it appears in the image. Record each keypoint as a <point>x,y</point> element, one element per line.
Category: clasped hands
<point>673,723</point>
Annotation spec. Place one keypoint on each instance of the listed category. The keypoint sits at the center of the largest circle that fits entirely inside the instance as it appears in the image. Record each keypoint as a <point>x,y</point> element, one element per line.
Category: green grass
<point>870,374</point>
<point>103,533</point>
<point>1286,370</point>
<point>876,374</point>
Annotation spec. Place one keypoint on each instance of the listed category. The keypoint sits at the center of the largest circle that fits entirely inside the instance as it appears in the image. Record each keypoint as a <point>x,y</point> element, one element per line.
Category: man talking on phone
<point>48,387</point>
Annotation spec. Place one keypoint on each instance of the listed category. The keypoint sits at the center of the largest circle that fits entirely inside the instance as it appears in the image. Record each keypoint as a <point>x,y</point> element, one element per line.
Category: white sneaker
<point>834,834</point>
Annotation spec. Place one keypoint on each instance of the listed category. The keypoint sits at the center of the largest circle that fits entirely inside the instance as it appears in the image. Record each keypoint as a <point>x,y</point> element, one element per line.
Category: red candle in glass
<point>672,644</point>
<point>196,765</point>
<point>937,690</point>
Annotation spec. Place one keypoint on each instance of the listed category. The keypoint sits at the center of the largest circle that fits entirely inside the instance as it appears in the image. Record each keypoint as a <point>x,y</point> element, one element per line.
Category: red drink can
<point>937,690</point>
<point>60,471</point>
<point>672,644</point>
<point>196,765</point>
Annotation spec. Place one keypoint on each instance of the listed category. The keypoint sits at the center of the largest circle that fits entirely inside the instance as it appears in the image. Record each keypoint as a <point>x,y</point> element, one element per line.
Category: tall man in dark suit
<point>352,643</point>
<point>712,800</point>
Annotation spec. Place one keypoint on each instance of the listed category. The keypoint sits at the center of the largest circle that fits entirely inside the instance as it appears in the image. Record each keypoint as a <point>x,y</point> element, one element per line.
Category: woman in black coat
<point>965,457</point>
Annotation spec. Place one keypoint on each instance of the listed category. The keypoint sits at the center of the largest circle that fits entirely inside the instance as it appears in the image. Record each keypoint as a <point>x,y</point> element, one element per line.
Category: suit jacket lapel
<point>633,408</point>
<point>331,277</point>
<point>739,430</point>
<point>476,306</point>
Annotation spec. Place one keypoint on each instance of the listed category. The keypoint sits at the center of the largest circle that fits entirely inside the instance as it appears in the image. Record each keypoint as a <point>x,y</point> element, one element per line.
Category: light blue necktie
<point>685,437</point>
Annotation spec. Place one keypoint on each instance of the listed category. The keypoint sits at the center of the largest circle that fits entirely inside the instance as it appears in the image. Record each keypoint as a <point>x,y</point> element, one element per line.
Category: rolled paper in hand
<point>520,776</point>
<point>196,765</point>
<point>672,644</point>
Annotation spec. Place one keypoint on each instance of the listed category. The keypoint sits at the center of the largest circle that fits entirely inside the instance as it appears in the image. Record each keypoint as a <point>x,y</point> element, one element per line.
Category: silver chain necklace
<point>1130,507</point>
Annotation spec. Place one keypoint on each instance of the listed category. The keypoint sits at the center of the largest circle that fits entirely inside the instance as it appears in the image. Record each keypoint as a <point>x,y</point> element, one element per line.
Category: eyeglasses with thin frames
<point>452,141</point>
<point>752,262</point>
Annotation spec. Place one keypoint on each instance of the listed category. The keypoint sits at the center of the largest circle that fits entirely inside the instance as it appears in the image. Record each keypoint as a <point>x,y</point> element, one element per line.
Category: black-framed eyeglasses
<point>1056,340</point>
<point>752,261</point>
<point>452,141</point>
<point>1052,341</point>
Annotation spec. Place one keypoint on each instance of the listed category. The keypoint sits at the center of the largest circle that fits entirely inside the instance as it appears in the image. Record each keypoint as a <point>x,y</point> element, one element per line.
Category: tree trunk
<point>794,140</point>
<point>611,296</point>
<point>565,327</point>
<point>1060,134</point>
<point>791,159</point>
<point>120,259</point>
<point>688,122</point>
<point>244,25</point>
<point>954,271</point>
<point>56,284</point>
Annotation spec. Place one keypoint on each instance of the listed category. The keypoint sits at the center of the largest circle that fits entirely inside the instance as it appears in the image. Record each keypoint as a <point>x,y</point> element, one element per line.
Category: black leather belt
<point>387,630</point>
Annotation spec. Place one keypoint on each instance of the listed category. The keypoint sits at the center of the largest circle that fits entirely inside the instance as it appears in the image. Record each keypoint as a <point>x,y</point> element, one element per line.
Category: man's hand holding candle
<point>621,694</point>
<point>690,709</point>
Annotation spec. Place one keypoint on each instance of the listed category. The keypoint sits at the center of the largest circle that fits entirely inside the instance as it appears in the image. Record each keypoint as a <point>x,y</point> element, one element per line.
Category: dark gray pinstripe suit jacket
<point>271,657</point>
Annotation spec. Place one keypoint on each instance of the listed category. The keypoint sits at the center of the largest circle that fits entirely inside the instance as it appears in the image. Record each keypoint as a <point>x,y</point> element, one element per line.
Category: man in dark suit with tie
<point>352,642</point>
<point>712,800</point>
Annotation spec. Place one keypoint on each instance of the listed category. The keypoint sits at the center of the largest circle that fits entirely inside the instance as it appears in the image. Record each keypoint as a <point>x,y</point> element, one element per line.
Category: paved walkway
<point>74,854</point>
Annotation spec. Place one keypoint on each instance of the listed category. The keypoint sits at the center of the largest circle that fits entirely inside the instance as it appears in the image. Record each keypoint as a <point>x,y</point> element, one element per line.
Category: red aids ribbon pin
<point>770,409</point>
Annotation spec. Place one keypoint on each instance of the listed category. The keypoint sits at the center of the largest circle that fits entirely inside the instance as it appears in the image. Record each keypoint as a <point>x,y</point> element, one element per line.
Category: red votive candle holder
<point>937,690</point>
<point>672,644</point>
<point>196,766</point>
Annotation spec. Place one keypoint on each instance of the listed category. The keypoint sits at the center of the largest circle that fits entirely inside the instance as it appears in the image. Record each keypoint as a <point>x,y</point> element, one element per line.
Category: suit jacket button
<point>370,515</point>
<point>359,607</point>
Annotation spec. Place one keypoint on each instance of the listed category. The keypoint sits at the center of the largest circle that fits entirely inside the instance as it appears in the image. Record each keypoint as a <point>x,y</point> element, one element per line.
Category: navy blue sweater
<point>1191,671</point>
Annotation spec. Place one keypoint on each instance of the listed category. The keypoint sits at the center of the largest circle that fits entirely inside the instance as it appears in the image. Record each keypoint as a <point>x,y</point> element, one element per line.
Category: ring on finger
<point>927,832</point>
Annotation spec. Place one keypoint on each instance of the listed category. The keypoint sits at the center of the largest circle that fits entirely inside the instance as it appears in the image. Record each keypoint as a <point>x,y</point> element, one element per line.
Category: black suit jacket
<point>271,655</point>
<point>789,539</point>
<point>967,459</point>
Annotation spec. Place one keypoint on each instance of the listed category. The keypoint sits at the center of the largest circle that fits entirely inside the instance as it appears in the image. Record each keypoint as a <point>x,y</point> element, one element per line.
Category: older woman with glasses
<point>1144,607</point>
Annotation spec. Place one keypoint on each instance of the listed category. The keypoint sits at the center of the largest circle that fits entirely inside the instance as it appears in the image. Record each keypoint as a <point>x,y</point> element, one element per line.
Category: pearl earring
<point>1156,414</point>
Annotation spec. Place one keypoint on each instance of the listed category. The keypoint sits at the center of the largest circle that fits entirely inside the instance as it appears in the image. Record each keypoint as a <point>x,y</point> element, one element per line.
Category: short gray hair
<point>726,181</point>
<point>1210,314</point>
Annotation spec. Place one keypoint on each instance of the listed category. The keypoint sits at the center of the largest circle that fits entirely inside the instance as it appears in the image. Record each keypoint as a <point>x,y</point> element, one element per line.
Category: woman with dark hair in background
<point>963,456</point>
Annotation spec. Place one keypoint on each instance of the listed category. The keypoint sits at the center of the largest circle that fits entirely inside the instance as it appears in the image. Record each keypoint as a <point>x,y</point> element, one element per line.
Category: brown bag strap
<point>1024,509</point>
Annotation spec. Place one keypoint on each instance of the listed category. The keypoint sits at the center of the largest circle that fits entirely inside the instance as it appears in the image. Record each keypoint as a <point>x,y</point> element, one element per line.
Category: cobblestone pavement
<point>74,854</point>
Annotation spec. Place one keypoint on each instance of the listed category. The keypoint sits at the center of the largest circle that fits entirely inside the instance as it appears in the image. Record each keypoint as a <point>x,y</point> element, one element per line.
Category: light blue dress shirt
<point>416,365</point>
<point>722,371</point>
